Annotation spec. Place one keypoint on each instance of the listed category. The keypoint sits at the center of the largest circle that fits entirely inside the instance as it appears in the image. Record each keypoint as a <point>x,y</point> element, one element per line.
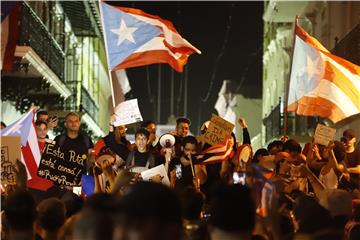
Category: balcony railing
<point>299,127</point>
<point>34,33</point>
<point>349,46</point>
<point>88,105</point>
<point>274,124</point>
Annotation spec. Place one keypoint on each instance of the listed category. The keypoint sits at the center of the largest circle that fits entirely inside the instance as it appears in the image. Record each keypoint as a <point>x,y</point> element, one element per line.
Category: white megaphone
<point>167,140</point>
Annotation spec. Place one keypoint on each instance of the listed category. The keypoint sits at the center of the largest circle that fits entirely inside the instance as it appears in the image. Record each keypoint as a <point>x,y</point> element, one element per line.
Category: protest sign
<point>61,167</point>
<point>323,134</point>
<point>156,174</point>
<point>127,112</point>
<point>219,129</point>
<point>10,151</point>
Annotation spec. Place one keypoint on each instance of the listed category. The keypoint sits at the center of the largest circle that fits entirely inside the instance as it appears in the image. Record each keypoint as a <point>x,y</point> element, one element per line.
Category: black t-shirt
<point>184,177</point>
<point>140,159</point>
<point>120,149</point>
<point>353,160</point>
<point>77,144</point>
<point>178,144</point>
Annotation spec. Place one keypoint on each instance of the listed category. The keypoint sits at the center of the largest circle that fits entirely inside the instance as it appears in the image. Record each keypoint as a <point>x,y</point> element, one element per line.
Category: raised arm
<point>246,135</point>
<point>314,181</point>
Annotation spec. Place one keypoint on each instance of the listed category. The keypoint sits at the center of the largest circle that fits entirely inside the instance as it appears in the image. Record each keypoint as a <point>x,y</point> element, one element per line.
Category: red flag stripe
<point>29,159</point>
<point>309,106</point>
<point>316,44</point>
<point>334,75</point>
<point>151,57</point>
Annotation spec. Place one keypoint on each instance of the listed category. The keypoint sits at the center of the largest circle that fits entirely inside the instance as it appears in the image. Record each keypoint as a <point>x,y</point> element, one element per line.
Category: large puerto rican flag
<point>135,38</point>
<point>30,152</point>
<point>322,84</point>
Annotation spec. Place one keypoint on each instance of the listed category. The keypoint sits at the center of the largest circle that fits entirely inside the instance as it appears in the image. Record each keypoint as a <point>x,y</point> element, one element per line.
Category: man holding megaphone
<point>182,170</point>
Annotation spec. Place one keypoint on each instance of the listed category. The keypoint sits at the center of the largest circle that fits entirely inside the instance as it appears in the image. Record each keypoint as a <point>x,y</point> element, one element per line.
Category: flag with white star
<point>135,38</point>
<point>30,151</point>
<point>322,84</point>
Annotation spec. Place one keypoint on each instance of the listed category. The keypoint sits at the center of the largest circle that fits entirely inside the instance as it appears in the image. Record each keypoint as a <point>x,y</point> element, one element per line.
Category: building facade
<point>232,105</point>
<point>60,64</point>
<point>336,26</point>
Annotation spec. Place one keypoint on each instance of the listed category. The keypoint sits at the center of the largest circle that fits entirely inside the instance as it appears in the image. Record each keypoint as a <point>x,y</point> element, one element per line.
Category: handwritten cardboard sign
<point>156,174</point>
<point>63,168</point>
<point>127,112</point>
<point>324,134</point>
<point>219,129</point>
<point>10,151</point>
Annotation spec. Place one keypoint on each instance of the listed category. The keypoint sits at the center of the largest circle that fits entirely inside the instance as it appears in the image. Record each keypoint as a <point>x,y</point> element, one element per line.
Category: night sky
<point>204,25</point>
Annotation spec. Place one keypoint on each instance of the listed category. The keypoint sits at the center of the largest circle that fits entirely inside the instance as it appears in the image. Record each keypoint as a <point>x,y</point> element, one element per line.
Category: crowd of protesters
<point>224,191</point>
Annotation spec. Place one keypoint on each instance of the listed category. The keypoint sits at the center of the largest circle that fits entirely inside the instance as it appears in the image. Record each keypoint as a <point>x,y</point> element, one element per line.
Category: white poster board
<point>324,134</point>
<point>156,174</point>
<point>127,112</point>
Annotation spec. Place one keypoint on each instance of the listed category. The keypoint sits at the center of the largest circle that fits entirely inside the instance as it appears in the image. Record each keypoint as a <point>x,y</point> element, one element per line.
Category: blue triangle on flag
<point>20,128</point>
<point>121,44</point>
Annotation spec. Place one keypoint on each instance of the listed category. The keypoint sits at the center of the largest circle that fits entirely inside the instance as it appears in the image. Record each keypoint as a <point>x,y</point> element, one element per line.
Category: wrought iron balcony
<point>84,17</point>
<point>349,46</point>
<point>88,104</point>
<point>274,124</point>
<point>34,33</point>
<point>298,127</point>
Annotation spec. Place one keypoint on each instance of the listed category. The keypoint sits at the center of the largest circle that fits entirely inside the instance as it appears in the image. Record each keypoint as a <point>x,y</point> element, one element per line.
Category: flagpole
<point>159,95</point>
<point>287,84</point>
<point>186,91</point>
<point>107,55</point>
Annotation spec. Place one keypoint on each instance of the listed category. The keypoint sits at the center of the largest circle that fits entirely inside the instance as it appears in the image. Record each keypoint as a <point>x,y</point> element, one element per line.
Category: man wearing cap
<point>352,160</point>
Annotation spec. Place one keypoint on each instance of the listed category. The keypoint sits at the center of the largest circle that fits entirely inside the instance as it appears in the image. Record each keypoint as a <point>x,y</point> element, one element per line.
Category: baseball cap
<point>349,134</point>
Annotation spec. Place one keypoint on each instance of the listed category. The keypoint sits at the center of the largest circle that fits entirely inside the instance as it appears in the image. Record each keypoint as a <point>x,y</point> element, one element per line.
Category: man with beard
<point>181,131</point>
<point>74,139</point>
<point>151,127</point>
<point>181,168</point>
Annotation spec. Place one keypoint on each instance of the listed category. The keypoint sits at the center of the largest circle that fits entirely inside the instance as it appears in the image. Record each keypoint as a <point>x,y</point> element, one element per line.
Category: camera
<point>239,178</point>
